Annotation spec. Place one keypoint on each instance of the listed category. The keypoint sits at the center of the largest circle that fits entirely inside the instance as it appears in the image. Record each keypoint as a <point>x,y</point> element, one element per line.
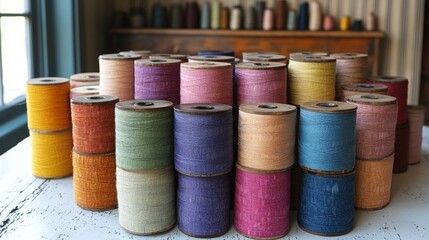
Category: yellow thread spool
<point>345,23</point>
<point>48,104</point>
<point>311,78</point>
<point>51,153</point>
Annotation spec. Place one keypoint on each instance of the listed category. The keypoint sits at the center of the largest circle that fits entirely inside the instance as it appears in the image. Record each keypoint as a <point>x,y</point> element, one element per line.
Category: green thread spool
<point>144,134</point>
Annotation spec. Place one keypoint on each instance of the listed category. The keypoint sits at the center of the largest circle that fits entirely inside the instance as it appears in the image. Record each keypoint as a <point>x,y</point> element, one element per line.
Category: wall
<point>401,20</point>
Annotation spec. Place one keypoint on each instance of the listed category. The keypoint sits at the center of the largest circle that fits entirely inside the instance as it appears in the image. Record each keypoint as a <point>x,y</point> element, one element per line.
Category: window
<point>15,57</point>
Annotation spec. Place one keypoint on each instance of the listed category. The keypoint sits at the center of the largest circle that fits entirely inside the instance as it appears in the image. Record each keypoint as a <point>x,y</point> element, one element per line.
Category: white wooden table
<point>33,208</point>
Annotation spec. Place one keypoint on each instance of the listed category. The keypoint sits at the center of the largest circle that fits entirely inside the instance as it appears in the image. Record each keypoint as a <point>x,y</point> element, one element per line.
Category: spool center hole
<point>327,104</point>
<point>95,98</point>
<point>204,107</point>
<point>158,60</point>
<point>370,97</point>
<point>47,80</point>
<point>313,57</point>
<point>120,55</point>
<point>91,89</point>
<point>267,106</point>
<point>143,104</point>
<point>91,76</point>
<point>260,64</point>
<point>365,86</point>
<point>211,56</point>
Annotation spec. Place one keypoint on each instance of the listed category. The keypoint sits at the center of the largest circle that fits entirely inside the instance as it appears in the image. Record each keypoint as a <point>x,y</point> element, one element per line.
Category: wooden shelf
<point>190,41</point>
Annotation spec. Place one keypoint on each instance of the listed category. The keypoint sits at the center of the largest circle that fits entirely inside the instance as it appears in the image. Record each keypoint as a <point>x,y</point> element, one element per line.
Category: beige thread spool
<point>362,88</point>
<point>84,79</point>
<point>143,53</point>
<point>89,90</point>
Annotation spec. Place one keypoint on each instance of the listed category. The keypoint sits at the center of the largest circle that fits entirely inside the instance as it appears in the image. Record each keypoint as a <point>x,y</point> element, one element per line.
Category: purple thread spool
<point>203,205</point>
<point>203,139</point>
<point>157,79</point>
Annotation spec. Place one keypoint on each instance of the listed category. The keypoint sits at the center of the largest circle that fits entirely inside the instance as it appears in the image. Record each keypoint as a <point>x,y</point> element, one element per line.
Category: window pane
<point>13,6</point>
<point>15,56</point>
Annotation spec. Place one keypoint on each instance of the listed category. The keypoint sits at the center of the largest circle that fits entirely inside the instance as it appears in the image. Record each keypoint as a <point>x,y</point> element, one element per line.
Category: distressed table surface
<point>33,208</point>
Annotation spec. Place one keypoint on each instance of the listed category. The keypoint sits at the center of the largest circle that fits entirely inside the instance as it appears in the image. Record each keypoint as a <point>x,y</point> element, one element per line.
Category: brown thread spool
<point>362,88</point>
<point>281,16</point>
<point>181,57</point>
<point>117,75</point>
<point>400,164</point>
<point>224,18</point>
<point>416,121</point>
<point>94,180</point>
<point>94,123</point>
<point>84,79</point>
<point>373,183</point>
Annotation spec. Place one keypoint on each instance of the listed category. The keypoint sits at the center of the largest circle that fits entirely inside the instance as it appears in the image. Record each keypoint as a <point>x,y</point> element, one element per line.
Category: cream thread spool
<point>89,90</point>
<point>235,20</point>
<point>315,19</point>
<point>117,75</point>
<point>143,53</point>
<point>84,79</point>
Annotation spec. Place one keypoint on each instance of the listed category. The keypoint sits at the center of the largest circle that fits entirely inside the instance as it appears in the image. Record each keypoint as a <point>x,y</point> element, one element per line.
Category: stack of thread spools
<point>49,122</point>
<point>326,150</point>
<point>144,166</point>
<point>94,179</point>
<point>398,87</point>
<point>204,159</point>
<point>375,147</point>
<point>84,84</point>
<point>266,144</point>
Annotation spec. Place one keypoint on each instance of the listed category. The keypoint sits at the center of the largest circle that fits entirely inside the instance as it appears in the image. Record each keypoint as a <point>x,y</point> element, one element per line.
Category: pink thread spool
<point>157,79</point>
<point>206,82</point>
<point>415,121</point>
<point>84,79</point>
<point>375,125</point>
<point>261,82</point>
<point>261,206</point>
<point>362,88</point>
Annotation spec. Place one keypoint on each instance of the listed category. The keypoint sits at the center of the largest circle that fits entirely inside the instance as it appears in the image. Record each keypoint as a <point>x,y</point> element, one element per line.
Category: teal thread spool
<point>144,134</point>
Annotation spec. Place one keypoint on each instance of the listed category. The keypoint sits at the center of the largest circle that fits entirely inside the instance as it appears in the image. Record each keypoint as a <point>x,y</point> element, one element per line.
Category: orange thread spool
<point>94,180</point>
<point>93,119</point>
<point>373,183</point>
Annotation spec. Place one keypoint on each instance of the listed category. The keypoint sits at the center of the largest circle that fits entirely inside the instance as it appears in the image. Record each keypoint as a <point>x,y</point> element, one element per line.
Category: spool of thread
<point>146,200</point>
<point>157,79</point>
<point>94,181</point>
<point>216,52</point>
<point>265,58</point>
<point>250,18</point>
<point>345,23</point>
<point>143,53</point>
<point>144,134</point>
<point>235,20</point>
<point>375,125</point>
<point>176,16</point>
<point>373,183</point>
<point>398,88</point>
<point>416,122</point>
<point>192,15</point>
<point>328,23</point>
<point>351,68</point>
<point>402,137</point>
<point>327,136</point>
<point>357,25</point>
<point>206,82</point>
<point>225,19</point>
<point>292,20</point>
<point>51,153</point>
<point>203,205</point>
<point>308,54</point>
<point>251,53</point>
<point>84,79</point>
<point>261,82</point>
<point>261,205</point>
<point>281,10</point>
<point>203,139</point>
<point>159,16</point>
<point>85,91</point>
<point>206,16</point>
<point>303,16</point>
<point>181,57</point>
<point>371,22</point>
<point>212,58</point>
<point>215,14</point>
<point>48,104</point>
<point>260,8</point>
<point>266,136</point>
<point>117,75</point>
<point>326,203</point>
<point>315,18</point>
<point>362,88</point>
<point>268,20</point>
<point>93,123</point>
<point>311,78</point>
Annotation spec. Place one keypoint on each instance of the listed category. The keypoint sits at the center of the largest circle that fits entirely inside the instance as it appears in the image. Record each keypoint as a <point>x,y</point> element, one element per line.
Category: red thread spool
<point>397,87</point>
<point>93,121</point>
<point>261,207</point>
<point>400,164</point>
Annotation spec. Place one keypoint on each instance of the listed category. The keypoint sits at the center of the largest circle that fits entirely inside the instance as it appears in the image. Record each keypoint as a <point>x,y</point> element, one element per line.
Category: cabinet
<point>190,41</point>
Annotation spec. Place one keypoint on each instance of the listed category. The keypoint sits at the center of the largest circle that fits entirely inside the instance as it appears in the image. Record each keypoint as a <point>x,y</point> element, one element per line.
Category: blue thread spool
<point>303,16</point>
<point>203,205</point>
<point>327,136</point>
<point>203,139</point>
<point>326,203</point>
<point>205,22</point>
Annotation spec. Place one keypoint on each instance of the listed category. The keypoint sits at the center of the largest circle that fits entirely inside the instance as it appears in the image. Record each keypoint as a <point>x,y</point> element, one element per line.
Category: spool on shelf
<point>362,88</point>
